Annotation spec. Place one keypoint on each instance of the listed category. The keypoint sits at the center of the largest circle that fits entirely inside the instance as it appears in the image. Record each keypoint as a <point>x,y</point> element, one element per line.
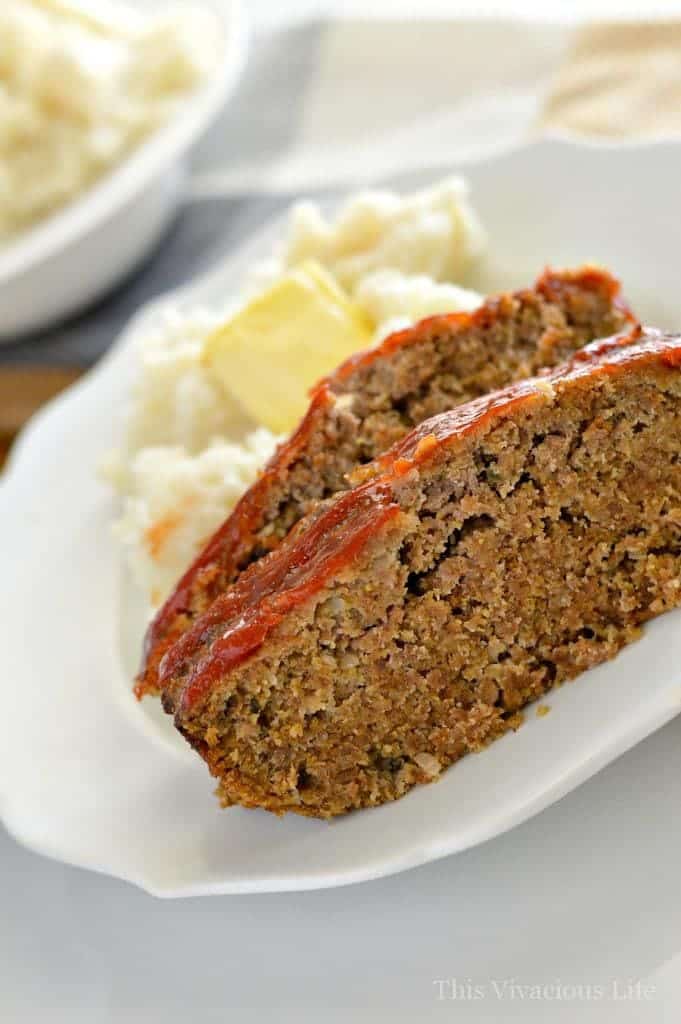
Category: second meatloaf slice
<point>494,552</point>
<point>372,401</point>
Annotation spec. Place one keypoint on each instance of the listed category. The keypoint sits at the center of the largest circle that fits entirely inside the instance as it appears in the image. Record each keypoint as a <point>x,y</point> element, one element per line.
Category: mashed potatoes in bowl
<point>80,88</point>
<point>119,129</point>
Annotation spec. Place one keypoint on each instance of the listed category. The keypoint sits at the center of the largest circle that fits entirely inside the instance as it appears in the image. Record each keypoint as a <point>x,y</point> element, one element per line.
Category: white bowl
<point>92,777</point>
<point>81,251</point>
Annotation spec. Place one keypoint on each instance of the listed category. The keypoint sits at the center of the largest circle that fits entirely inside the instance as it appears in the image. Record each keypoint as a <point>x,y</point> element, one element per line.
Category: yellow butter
<point>272,351</point>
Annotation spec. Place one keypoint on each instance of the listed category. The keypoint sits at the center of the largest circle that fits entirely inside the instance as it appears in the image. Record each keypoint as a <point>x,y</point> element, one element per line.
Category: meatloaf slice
<point>373,400</point>
<point>494,552</point>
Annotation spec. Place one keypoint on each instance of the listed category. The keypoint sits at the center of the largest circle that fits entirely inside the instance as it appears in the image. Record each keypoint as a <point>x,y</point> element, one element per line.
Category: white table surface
<point>587,895</point>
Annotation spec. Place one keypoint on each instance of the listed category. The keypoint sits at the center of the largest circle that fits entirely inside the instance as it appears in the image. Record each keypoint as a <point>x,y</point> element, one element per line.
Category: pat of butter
<point>271,352</point>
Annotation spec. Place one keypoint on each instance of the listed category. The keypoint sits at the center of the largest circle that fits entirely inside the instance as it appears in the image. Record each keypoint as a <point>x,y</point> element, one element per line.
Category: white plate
<point>91,778</point>
<point>81,251</point>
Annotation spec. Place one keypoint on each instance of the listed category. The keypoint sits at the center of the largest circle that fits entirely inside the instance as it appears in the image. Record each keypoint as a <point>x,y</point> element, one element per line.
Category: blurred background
<point>489,75</point>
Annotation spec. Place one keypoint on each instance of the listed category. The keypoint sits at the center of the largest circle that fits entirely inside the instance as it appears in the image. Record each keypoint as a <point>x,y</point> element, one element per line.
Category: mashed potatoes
<point>433,233</point>
<point>190,451</point>
<point>175,500</point>
<point>77,94</point>
<point>176,401</point>
<point>177,473</point>
<point>394,300</point>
